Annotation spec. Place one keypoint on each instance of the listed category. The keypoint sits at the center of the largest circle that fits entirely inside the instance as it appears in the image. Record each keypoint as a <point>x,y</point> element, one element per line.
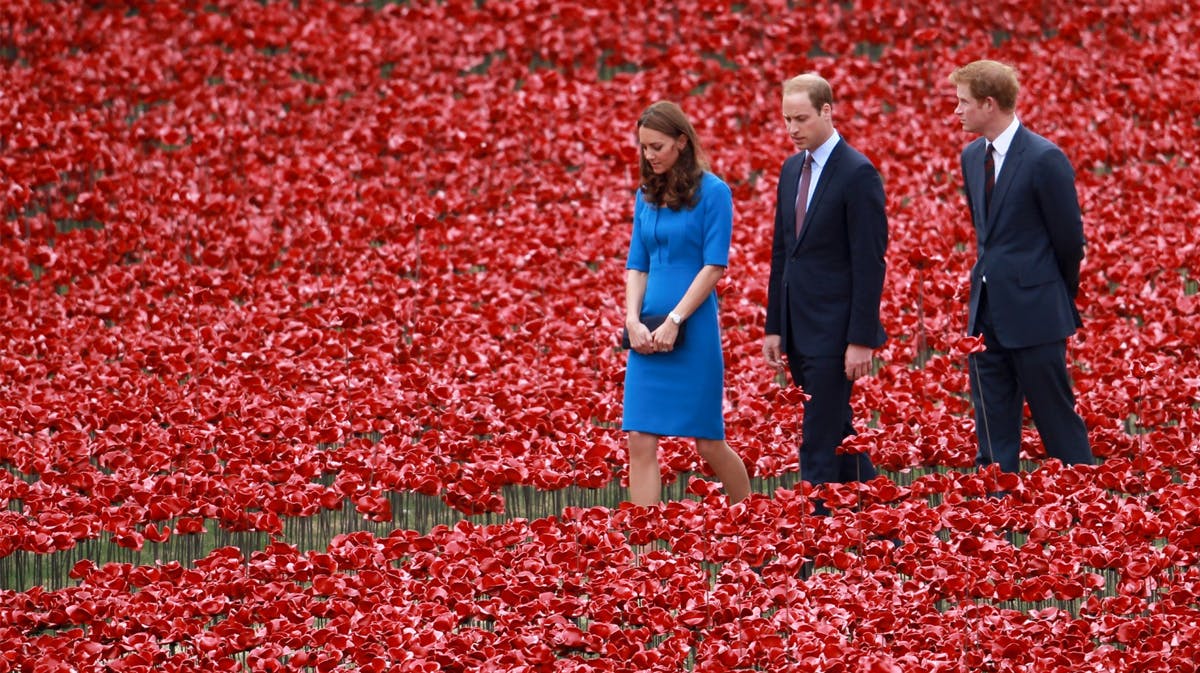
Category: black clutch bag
<point>653,322</point>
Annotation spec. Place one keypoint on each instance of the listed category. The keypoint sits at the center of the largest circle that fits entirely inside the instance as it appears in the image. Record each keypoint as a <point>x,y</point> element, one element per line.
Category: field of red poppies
<point>263,261</point>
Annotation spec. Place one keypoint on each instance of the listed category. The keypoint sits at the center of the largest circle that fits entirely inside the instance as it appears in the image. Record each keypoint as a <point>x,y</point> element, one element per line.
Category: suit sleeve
<point>866,221</point>
<point>962,163</point>
<point>778,255</point>
<point>1054,191</point>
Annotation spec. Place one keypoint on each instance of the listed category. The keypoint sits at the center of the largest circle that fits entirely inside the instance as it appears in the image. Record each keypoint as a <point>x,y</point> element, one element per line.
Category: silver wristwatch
<point>675,317</point>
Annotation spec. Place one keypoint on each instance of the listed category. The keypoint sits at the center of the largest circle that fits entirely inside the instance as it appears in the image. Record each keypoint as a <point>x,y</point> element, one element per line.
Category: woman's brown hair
<point>680,186</point>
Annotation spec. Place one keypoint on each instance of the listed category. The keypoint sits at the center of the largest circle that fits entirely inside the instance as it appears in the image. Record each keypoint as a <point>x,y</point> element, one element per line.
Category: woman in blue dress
<point>682,226</point>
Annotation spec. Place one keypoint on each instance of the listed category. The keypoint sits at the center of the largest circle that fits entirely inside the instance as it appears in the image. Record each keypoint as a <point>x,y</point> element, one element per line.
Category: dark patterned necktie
<point>989,176</point>
<point>802,193</point>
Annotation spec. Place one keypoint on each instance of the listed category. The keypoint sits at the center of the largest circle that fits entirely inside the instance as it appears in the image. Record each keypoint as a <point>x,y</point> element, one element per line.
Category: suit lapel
<point>1011,167</point>
<point>1008,172</point>
<point>827,172</point>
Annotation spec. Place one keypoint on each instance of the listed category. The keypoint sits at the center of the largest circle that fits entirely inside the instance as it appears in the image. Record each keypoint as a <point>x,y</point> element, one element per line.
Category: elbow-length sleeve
<point>639,257</point>
<point>718,222</point>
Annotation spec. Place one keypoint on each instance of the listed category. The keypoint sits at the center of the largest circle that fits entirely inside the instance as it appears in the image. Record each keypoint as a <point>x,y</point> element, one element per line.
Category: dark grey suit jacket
<point>1029,243</point>
<point>829,281</point>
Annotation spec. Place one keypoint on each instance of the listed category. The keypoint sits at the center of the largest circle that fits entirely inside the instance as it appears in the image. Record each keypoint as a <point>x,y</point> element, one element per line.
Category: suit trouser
<point>1003,379</point>
<point>827,421</point>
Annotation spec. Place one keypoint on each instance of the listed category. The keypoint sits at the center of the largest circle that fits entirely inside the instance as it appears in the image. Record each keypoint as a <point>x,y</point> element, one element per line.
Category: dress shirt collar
<point>821,154</point>
<point>1004,140</point>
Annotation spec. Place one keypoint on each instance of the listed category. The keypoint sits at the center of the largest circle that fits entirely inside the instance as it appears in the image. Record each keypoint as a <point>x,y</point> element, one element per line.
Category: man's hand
<point>773,350</point>
<point>858,361</point>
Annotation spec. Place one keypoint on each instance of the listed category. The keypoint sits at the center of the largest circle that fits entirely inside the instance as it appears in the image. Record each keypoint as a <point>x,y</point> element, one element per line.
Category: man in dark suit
<point>827,270</point>
<point>1029,238</point>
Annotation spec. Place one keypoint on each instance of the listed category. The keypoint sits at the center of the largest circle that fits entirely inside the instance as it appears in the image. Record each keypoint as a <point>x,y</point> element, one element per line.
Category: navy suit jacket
<point>829,281</point>
<point>1029,244</point>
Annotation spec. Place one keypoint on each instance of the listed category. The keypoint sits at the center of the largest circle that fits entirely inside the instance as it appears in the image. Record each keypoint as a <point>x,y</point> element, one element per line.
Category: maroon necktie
<point>989,176</point>
<point>802,193</point>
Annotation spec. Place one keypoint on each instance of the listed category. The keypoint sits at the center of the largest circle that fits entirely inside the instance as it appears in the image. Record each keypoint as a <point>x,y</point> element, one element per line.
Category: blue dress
<point>680,393</point>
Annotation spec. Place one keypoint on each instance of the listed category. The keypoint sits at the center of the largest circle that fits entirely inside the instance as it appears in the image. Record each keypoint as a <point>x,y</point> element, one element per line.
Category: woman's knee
<point>711,449</point>
<point>643,445</point>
